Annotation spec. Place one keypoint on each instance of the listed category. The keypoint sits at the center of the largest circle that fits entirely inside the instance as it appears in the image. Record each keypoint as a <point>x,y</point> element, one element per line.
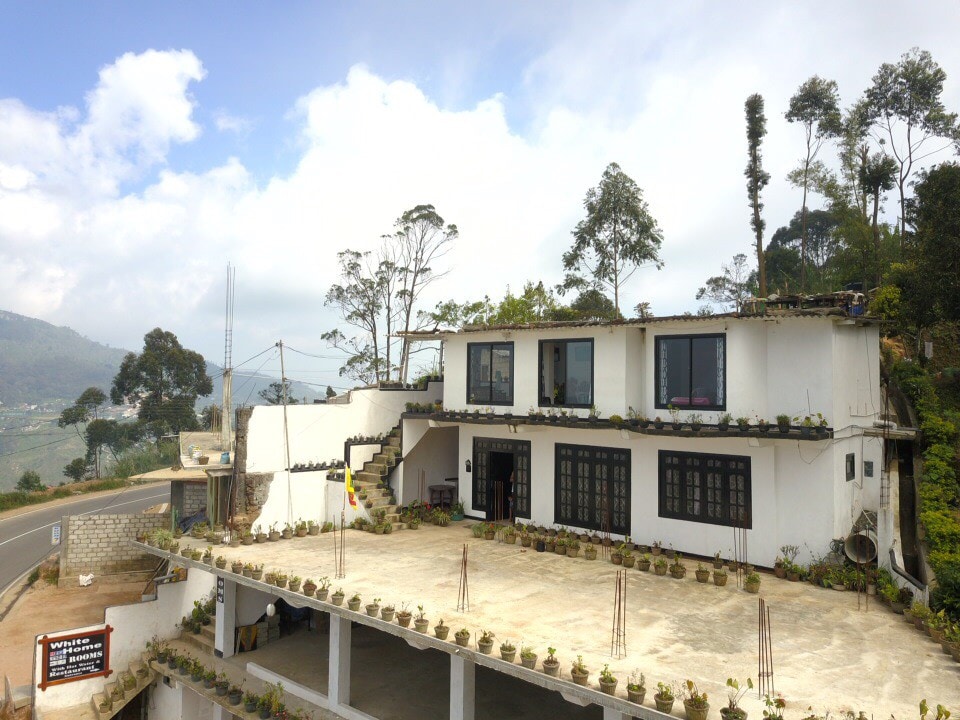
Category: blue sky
<point>145,145</point>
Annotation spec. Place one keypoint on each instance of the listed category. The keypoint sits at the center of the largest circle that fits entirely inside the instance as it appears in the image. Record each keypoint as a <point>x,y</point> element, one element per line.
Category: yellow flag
<point>348,482</point>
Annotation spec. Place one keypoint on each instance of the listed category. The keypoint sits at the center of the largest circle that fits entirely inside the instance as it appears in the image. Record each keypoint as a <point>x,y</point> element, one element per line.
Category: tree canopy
<point>273,394</point>
<point>618,236</point>
<point>757,178</point>
<point>165,380</point>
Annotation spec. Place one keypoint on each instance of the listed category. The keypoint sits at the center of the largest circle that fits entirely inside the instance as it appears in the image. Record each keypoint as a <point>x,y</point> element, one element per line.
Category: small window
<point>851,466</point>
<point>490,373</point>
<point>566,373</point>
<point>691,372</point>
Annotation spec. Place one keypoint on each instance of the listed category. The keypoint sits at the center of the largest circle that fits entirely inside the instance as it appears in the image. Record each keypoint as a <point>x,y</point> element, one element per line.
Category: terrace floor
<point>829,655</point>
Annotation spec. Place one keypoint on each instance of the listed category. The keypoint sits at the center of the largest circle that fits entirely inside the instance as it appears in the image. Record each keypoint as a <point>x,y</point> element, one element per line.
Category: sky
<point>143,146</point>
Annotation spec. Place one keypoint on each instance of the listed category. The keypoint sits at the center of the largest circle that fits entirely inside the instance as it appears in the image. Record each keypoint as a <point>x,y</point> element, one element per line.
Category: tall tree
<point>877,176</point>
<point>618,236</point>
<point>815,106</point>
<point>273,394</point>
<point>165,380</point>
<point>783,252</point>
<point>360,301</point>
<point>422,238</point>
<point>76,469</point>
<point>735,284</point>
<point>30,482</point>
<point>757,179</point>
<point>934,248</point>
<point>84,409</point>
<point>912,120</point>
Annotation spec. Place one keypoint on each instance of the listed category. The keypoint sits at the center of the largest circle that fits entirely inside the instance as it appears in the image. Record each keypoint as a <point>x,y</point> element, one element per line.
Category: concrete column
<point>614,714</point>
<point>221,713</point>
<point>463,683</point>
<point>223,642</point>
<point>338,690</point>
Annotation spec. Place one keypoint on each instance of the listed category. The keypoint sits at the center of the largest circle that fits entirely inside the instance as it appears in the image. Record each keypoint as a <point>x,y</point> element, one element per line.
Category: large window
<point>593,488</point>
<point>711,489</point>
<point>566,373</point>
<point>490,373</point>
<point>691,371</point>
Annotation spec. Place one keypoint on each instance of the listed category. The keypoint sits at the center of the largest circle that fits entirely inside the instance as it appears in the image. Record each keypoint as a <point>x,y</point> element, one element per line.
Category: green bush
<point>938,430</point>
<point>943,530</point>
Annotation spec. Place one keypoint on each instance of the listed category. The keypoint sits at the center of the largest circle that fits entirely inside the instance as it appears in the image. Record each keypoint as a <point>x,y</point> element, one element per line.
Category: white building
<point>684,488</point>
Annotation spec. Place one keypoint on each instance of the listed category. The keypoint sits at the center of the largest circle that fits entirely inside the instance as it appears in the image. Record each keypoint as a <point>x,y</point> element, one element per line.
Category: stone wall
<point>188,496</point>
<point>100,544</point>
<point>252,488</point>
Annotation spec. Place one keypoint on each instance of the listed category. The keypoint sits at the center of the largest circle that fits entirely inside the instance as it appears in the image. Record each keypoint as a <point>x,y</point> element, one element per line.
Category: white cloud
<point>660,94</point>
<point>225,122</point>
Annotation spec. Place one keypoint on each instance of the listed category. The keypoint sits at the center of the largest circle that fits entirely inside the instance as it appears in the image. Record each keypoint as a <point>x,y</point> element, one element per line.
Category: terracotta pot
<point>551,668</point>
<point>610,688</point>
<point>695,713</point>
<point>664,706</point>
<point>636,696</point>
<point>579,678</point>
<point>531,662</point>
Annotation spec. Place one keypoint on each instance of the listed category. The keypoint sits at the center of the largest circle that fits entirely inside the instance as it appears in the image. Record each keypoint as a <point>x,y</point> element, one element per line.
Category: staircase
<point>375,472</point>
<point>142,675</point>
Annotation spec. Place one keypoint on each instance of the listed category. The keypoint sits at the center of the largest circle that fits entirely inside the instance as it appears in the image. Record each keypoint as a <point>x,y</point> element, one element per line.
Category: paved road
<point>25,539</point>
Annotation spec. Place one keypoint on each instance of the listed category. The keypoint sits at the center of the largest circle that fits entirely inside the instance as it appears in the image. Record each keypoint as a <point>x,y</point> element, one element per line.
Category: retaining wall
<point>100,544</point>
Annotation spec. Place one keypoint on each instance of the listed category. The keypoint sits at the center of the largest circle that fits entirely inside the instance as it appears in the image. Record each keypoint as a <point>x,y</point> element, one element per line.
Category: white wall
<point>856,388</point>
<point>435,453</point>
<point>792,486</point>
<point>132,626</point>
<point>317,434</point>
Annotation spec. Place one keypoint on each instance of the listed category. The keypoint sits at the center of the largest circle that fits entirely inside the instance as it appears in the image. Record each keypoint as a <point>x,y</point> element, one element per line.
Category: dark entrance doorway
<point>494,459</point>
<point>500,486</point>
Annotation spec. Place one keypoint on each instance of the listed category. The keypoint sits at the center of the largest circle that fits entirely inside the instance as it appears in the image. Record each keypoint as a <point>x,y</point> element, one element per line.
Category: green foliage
<point>733,286</point>
<point>757,178</point>
<point>76,469</point>
<point>274,393</point>
<point>30,482</point>
<point>166,379</point>
<point>618,235</point>
<point>137,461</point>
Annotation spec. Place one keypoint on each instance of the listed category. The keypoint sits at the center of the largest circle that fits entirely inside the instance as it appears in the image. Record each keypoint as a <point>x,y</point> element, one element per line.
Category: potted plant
<point>209,678</point>
<point>354,602</point>
<point>508,651</point>
<point>762,425</point>
<point>551,666</point>
<point>608,683</point>
<point>420,622</point>
<point>723,421</point>
<point>337,597</point>
<point>743,424</point>
<point>234,695</point>
<point>309,587</point>
<point>776,705</point>
<point>509,535</point>
<point>528,658</point>
<point>674,417</point>
<point>387,612</point>
<point>485,642</point>
<point>489,531</point>
<point>220,562</point>
<point>664,697</point>
<point>696,421</point>
<point>236,567</point>
<point>636,687</point>
<point>456,512</point>
<point>627,558</point>
<point>250,700</point>
<point>441,630</point>
<point>702,573</point>
<point>579,672</point>
<point>404,617</point>
<point>462,637</point>
<point>257,572</point>
<point>281,579</point>
<point>733,711</point>
<point>660,565</point>
<point>656,548</point>
<point>677,568</point>
<point>783,423</point>
<point>752,582</point>
<point>221,684</point>
<point>590,552</point>
<point>373,609</point>
<point>695,703</point>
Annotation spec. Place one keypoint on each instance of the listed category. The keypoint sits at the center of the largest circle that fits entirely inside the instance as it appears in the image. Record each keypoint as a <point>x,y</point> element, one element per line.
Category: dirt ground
<point>46,608</point>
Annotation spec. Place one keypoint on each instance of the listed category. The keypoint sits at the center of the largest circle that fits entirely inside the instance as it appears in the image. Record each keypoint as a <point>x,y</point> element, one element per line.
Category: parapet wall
<point>100,544</point>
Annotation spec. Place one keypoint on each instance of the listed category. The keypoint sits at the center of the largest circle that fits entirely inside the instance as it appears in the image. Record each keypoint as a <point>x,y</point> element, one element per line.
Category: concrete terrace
<point>828,654</point>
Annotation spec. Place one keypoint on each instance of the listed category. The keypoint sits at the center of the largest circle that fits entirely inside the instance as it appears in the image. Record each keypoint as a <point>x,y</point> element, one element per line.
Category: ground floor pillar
<point>614,714</point>
<point>223,641</point>
<point>463,684</point>
<point>338,690</point>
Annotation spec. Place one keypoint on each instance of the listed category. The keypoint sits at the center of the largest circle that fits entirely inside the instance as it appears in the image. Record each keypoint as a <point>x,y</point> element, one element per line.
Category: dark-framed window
<point>566,373</point>
<point>592,488</point>
<point>490,373</point>
<point>520,449</point>
<point>712,489</point>
<point>691,371</point>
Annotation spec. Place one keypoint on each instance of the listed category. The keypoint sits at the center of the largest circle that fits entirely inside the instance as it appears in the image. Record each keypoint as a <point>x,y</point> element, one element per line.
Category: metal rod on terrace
<point>618,636</point>
<point>463,597</point>
<point>765,684</point>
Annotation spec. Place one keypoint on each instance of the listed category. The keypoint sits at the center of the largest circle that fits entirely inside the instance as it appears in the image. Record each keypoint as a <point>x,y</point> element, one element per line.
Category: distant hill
<point>42,362</point>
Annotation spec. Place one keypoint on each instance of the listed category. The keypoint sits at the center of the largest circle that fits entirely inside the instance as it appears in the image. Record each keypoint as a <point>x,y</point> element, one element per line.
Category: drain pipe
<point>919,588</point>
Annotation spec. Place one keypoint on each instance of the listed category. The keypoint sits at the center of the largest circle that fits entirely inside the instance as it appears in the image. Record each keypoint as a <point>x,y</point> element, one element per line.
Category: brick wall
<point>100,544</point>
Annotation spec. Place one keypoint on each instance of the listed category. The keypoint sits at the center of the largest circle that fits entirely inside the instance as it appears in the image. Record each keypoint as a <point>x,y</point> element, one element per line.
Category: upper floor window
<point>691,371</point>
<point>566,373</point>
<point>490,373</point>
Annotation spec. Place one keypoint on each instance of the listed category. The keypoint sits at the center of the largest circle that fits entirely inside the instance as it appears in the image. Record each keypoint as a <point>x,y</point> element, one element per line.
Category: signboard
<point>67,658</point>
<point>219,590</point>
<point>55,534</point>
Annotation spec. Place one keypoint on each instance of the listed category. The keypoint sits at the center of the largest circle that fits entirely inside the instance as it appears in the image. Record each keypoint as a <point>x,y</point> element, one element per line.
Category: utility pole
<point>286,435</point>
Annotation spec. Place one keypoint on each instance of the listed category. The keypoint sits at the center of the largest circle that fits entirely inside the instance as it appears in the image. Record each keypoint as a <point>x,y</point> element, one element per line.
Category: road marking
<point>89,512</point>
<point>80,498</point>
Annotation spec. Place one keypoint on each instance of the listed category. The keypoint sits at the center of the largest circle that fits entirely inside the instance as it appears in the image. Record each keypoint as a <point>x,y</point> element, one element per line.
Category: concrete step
<point>201,641</point>
<point>365,476</point>
<point>21,696</point>
<point>210,630</point>
<point>388,460</point>
<point>374,467</point>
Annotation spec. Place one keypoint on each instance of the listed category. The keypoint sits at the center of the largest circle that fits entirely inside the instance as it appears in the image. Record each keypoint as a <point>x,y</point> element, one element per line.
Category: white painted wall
<point>435,453</point>
<point>133,625</point>
<point>317,434</point>
<point>790,480</point>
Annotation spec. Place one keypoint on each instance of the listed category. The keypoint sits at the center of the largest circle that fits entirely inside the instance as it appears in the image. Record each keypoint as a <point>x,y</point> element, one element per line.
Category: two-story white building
<point>689,489</point>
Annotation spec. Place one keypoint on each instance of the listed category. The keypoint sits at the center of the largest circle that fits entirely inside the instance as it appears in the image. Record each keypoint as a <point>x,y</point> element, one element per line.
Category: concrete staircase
<point>375,472</point>
<point>204,640</point>
<point>141,680</point>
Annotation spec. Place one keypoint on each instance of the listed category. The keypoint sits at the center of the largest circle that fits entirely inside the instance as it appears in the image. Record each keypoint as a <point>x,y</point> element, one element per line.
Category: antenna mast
<point>226,407</point>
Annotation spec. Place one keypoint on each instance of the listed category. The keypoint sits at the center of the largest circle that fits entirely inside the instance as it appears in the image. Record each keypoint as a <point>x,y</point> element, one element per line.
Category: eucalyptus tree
<point>618,236</point>
<point>815,106</point>
<point>911,119</point>
<point>734,285</point>
<point>878,175</point>
<point>757,179</point>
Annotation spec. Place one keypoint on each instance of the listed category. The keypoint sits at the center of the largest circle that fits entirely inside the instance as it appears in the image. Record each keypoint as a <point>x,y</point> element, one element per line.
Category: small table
<point>441,494</point>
